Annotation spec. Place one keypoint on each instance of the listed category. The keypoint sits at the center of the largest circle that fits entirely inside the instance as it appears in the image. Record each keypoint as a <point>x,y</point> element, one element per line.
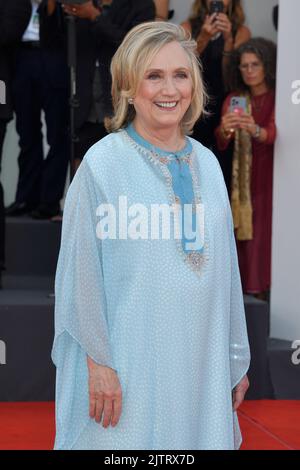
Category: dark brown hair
<point>265,51</point>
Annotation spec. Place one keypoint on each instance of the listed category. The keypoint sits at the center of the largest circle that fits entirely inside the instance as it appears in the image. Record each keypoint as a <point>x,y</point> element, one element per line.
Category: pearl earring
<point>130,101</point>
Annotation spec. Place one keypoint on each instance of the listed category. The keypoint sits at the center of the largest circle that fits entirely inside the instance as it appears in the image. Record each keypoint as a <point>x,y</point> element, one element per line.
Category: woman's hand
<point>230,122</point>
<point>239,392</point>
<point>209,29</point>
<point>105,394</point>
<point>85,11</point>
<point>247,123</point>
<point>223,25</point>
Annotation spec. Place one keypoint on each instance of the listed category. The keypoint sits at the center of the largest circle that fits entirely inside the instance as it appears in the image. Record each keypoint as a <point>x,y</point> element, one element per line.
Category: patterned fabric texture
<point>174,331</point>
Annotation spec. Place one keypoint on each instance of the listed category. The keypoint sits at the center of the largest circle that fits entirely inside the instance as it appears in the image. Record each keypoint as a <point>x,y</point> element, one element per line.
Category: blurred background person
<point>100,28</point>
<point>40,84</point>
<point>162,10</point>
<point>14,17</point>
<point>217,36</point>
<point>252,75</point>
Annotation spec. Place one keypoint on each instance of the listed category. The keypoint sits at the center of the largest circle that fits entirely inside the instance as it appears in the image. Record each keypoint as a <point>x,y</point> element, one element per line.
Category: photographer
<point>252,75</point>
<point>99,31</point>
<point>40,85</point>
<point>14,17</point>
<point>218,28</point>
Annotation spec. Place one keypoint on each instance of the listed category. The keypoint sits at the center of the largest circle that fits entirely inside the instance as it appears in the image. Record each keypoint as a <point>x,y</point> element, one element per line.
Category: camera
<point>216,6</point>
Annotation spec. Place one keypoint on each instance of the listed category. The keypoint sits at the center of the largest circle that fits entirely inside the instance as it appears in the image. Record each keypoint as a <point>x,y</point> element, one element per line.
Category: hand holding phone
<point>84,9</point>
<point>221,21</point>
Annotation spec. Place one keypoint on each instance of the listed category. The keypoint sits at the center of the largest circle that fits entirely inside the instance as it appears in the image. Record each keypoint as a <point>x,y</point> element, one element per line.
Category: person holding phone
<point>248,125</point>
<point>218,28</point>
<point>14,17</point>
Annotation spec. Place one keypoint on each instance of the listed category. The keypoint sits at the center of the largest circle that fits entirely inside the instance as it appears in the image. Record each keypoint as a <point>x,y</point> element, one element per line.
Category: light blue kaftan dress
<point>169,320</point>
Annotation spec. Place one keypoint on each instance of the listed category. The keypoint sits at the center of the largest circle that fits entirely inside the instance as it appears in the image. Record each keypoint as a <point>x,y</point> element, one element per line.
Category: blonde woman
<point>150,342</point>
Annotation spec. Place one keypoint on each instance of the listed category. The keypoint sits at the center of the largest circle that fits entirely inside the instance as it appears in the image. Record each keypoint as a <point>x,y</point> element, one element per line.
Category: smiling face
<point>252,70</point>
<point>165,91</point>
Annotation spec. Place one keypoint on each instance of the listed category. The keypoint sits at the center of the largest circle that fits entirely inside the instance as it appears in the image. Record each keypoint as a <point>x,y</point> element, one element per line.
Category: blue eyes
<point>181,75</point>
<point>155,76</point>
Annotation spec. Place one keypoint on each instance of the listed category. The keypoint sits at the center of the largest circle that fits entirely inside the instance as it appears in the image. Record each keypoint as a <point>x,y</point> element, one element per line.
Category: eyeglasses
<point>254,66</point>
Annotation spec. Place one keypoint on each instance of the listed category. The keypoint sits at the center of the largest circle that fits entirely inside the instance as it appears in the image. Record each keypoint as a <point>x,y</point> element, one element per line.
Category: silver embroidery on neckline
<point>196,261</point>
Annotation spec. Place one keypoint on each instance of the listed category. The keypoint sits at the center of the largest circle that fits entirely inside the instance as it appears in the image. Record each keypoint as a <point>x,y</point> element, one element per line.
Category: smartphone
<point>216,6</point>
<point>238,104</point>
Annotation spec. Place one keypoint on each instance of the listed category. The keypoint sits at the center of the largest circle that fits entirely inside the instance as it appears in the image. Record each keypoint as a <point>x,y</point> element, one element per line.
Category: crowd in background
<point>239,125</point>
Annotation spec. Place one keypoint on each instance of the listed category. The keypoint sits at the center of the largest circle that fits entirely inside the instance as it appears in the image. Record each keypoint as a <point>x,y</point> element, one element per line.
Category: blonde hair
<point>129,65</point>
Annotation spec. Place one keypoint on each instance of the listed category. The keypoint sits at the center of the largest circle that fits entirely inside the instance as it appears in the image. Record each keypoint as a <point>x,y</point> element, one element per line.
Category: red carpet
<point>270,425</point>
<point>266,425</point>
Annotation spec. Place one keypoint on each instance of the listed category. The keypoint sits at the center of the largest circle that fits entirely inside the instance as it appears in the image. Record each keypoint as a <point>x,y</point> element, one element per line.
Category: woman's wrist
<point>254,130</point>
<point>257,132</point>
<point>261,134</point>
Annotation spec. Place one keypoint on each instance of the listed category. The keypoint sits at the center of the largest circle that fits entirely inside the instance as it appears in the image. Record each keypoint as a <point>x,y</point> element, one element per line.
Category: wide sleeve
<point>239,351</point>
<point>271,130</point>
<point>239,345</point>
<point>81,323</point>
<point>236,335</point>
<point>80,305</point>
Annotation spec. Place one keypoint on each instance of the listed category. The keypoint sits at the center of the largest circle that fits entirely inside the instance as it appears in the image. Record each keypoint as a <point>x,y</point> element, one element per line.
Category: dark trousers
<point>41,181</point>
<point>3,125</point>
